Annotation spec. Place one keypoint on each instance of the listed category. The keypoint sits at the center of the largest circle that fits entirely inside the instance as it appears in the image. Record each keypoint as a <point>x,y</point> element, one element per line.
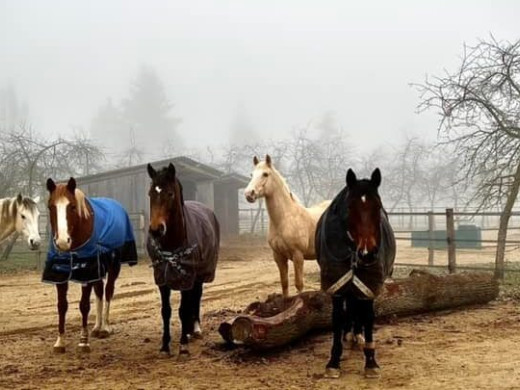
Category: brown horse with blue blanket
<point>183,243</point>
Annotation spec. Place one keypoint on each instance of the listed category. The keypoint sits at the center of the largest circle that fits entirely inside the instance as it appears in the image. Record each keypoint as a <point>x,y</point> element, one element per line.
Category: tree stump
<point>279,321</point>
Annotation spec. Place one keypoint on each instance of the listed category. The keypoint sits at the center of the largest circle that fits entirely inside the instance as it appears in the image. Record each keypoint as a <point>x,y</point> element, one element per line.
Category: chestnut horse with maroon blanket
<point>90,238</point>
<point>183,243</point>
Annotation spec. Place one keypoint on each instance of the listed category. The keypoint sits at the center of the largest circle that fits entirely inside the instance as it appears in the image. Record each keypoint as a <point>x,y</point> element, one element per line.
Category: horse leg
<point>332,369</point>
<point>98,291</point>
<point>186,316</point>
<point>350,323</point>
<point>166,312</point>
<point>113,273</point>
<point>283,267</point>
<point>367,314</point>
<point>197,296</point>
<point>354,325</point>
<point>298,271</point>
<point>61,290</point>
<point>84,307</point>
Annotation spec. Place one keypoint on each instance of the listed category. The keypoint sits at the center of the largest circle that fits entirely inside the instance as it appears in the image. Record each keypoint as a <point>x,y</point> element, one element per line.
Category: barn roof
<point>187,169</point>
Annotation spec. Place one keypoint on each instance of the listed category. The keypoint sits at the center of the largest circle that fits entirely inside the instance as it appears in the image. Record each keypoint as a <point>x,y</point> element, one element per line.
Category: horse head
<point>69,214</point>
<point>261,182</point>
<point>27,220</point>
<point>364,212</point>
<point>166,200</point>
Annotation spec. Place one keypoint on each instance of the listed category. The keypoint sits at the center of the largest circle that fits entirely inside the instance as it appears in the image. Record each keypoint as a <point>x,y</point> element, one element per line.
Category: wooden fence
<point>448,239</point>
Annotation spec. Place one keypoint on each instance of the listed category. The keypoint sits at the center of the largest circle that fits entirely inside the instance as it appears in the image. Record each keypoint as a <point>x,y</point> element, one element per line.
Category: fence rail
<point>449,239</point>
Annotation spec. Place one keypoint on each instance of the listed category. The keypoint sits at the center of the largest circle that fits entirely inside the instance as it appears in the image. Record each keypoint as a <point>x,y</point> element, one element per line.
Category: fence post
<point>431,243</point>
<point>450,238</point>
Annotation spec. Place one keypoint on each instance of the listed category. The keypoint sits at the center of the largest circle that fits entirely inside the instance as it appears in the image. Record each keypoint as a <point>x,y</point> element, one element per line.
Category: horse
<point>183,243</point>
<point>20,214</point>
<point>91,238</point>
<point>356,248</point>
<point>291,225</point>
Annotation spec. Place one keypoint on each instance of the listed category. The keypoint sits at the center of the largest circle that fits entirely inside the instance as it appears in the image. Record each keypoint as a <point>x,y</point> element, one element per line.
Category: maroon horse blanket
<point>197,259</point>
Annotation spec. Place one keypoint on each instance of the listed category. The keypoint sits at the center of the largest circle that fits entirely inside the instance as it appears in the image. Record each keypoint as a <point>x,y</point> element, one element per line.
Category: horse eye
<point>23,216</point>
<point>265,174</point>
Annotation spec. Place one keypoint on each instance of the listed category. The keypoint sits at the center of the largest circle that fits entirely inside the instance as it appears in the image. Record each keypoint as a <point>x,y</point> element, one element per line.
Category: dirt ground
<point>476,348</point>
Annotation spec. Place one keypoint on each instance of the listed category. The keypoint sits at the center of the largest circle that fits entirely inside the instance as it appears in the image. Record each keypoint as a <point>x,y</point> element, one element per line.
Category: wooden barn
<point>200,182</point>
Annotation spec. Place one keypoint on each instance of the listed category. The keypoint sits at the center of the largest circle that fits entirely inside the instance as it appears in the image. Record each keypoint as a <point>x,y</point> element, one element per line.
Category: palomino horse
<point>90,238</point>
<point>183,243</point>
<point>21,215</point>
<point>356,248</point>
<point>291,226</point>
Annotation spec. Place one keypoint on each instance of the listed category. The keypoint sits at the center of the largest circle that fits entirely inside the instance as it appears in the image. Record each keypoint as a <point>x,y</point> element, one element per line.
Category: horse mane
<point>81,199</point>
<point>284,183</point>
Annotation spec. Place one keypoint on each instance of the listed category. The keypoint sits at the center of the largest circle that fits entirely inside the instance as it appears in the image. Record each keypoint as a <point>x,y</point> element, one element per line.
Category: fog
<point>279,64</point>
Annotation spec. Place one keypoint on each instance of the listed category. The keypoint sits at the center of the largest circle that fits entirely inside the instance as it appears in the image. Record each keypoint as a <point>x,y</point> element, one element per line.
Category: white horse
<point>292,226</point>
<point>20,214</point>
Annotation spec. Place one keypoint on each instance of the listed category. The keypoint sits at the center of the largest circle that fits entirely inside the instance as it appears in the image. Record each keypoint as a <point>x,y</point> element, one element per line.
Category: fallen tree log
<point>279,321</point>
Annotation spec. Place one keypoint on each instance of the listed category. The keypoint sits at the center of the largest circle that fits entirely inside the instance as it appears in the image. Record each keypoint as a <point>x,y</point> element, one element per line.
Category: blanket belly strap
<point>355,280</point>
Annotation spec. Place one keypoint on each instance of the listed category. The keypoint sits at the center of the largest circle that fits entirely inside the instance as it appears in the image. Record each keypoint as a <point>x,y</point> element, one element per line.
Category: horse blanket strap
<point>340,283</point>
<point>355,280</point>
<point>197,259</point>
<point>112,240</point>
<point>176,257</point>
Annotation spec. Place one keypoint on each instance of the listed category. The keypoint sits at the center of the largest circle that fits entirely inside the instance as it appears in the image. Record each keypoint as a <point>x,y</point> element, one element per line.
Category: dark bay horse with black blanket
<point>356,248</point>
<point>90,239</point>
<point>183,243</point>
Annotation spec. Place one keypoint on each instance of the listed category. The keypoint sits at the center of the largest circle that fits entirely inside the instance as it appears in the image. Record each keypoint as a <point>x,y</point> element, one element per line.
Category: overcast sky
<point>286,62</point>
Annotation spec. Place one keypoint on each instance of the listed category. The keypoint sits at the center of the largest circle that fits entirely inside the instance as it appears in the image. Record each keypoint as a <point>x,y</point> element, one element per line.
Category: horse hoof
<point>165,353</point>
<point>84,348</point>
<point>197,335</point>
<point>184,355</point>
<point>100,333</point>
<point>58,349</point>
<point>332,373</point>
<point>373,373</point>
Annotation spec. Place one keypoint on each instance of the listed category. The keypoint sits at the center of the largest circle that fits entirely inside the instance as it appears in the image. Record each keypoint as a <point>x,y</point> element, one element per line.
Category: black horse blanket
<point>112,240</point>
<point>336,252</point>
<point>197,260</point>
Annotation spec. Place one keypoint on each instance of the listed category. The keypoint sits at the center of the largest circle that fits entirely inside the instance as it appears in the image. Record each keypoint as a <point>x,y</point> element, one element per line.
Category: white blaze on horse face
<point>158,189</point>
<point>62,237</point>
<point>363,198</point>
<point>29,220</point>
<point>256,187</point>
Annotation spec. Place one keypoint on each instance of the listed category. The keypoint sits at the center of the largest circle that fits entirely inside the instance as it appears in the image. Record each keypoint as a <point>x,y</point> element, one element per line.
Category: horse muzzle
<point>34,244</point>
<point>250,196</point>
<point>157,231</point>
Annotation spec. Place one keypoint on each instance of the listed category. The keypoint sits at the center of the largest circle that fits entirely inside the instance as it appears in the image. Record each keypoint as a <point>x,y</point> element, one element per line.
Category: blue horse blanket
<point>112,240</point>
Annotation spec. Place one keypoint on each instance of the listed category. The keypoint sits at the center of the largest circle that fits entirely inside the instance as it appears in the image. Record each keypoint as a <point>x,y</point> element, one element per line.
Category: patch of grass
<point>22,261</point>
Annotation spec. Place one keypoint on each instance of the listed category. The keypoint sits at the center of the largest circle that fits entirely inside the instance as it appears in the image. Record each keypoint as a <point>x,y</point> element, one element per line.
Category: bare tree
<point>27,159</point>
<point>479,106</point>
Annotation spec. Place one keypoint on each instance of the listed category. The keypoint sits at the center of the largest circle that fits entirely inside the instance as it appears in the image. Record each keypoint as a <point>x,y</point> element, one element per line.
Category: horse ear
<point>268,160</point>
<point>376,178</point>
<point>71,185</point>
<point>151,172</point>
<point>37,199</point>
<point>351,178</point>
<point>51,186</point>
<point>19,198</point>
<point>171,169</point>
<point>255,160</point>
